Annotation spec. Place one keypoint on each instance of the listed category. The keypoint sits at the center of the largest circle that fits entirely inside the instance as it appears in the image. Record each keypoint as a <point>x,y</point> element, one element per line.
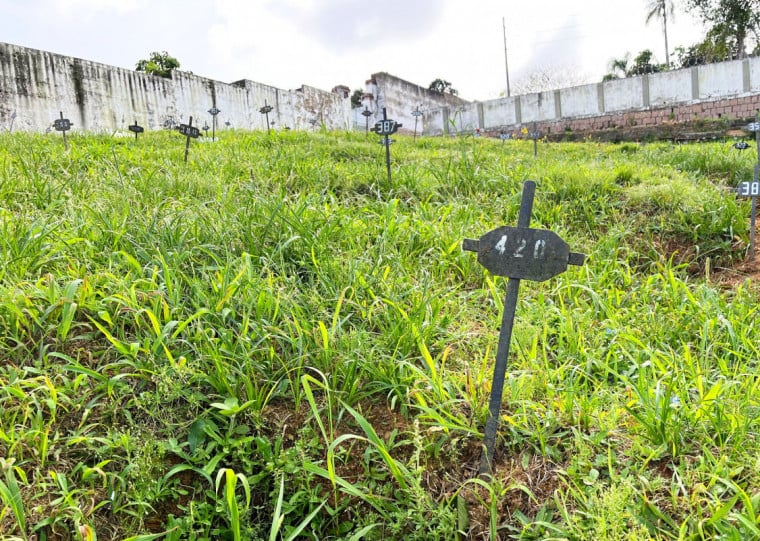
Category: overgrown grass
<point>273,341</point>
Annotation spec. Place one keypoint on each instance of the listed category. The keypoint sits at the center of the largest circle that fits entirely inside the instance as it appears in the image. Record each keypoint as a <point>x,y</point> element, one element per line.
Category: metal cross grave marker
<point>741,145</point>
<point>519,253</point>
<point>503,136</point>
<point>213,112</point>
<point>416,114</point>
<point>366,114</point>
<point>135,128</point>
<point>752,189</point>
<point>386,127</point>
<point>265,111</point>
<point>535,135</point>
<point>62,125</point>
<point>188,130</point>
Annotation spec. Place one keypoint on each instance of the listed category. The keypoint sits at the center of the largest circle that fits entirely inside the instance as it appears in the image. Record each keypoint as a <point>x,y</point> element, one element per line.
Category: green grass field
<point>274,341</point>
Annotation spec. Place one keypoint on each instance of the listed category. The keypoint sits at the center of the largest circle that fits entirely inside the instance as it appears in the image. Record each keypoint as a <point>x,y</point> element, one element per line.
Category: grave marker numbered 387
<point>386,127</point>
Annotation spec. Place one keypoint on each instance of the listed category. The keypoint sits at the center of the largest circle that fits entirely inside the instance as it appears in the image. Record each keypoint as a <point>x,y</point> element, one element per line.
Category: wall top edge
<point>179,73</point>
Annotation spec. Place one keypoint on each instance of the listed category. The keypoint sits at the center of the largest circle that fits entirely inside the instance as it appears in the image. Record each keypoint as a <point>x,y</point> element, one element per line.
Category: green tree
<point>661,9</point>
<point>624,67</point>
<point>642,64</point>
<point>441,86</point>
<point>732,23</point>
<point>617,68</point>
<point>356,98</point>
<point>159,63</point>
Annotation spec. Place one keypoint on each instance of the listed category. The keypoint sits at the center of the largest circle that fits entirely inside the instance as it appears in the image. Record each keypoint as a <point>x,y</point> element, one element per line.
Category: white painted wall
<point>537,107</point>
<point>464,117</point>
<point>754,74</point>
<point>580,100</point>
<point>669,87</point>
<point>501,112</point>
<point>623,94</point>
<point>712,82</point>
<point>718,80</point>
<point>38,85</point>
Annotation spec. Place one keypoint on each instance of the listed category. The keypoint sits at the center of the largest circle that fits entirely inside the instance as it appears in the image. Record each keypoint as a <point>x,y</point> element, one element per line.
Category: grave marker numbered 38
<point>751,189</point>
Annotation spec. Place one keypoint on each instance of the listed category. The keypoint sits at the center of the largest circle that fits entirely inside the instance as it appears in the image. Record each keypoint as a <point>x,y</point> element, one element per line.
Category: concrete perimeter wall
<point>36,86</point>
<point>722,90</point>
<point>400,98</point>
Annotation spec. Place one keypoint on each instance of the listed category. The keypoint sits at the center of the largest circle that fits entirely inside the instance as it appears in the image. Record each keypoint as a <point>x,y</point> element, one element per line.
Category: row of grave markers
<point>518,253</point>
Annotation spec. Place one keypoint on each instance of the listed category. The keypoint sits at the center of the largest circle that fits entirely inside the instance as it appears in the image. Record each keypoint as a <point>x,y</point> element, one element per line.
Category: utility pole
<point>506,61</point>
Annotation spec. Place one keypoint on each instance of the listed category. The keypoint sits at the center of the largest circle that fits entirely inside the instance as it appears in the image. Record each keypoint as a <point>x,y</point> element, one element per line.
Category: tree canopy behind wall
<point>159,63</point>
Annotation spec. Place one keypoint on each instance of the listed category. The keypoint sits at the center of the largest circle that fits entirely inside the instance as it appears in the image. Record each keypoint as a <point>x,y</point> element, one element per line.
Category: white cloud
<point>89,7</point>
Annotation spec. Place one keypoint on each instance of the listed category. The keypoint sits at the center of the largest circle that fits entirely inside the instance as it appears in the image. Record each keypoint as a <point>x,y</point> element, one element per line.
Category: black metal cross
<point>265,111</point>
<point>386,127</point>
<point>752,189</point>
<point>416,114</point>
<point>519,253</point>
<point>136,128</point>
<point>213,112</point>
<point>62,125</point>
<point>189,131</point>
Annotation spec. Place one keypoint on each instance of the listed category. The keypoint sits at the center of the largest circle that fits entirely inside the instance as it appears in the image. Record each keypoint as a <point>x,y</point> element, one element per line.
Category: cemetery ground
<point>276,341</point>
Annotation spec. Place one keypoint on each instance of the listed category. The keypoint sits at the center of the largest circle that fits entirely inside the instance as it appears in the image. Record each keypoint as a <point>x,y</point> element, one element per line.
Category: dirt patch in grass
<point>744,272</point>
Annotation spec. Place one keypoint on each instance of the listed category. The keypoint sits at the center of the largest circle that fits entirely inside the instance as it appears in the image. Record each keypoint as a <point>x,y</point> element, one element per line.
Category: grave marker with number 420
<point>519,253</point>
<point>386,127</point>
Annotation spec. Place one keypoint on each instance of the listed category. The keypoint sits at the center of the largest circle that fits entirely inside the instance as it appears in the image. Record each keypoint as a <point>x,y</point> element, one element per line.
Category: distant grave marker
<point>62,125</point>
<point>416,114</point>
<point>213,112</point>
<point>265,111</point>
<point>205,128</point>
<point>136,129</point>
<point>386,127</point>
<point>503,136</point>
<point>519,253</point>
<point>366,114</point>
<point>535,135</point>
<point>189,131</point>
<point>741,145</point>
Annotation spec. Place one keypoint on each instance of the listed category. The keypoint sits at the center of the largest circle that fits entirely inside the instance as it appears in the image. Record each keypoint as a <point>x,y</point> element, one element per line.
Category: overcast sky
<point>323,43</point>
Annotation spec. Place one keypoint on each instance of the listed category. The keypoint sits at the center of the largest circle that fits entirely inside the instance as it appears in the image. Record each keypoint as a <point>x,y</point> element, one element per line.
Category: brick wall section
<point>676,121</point>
